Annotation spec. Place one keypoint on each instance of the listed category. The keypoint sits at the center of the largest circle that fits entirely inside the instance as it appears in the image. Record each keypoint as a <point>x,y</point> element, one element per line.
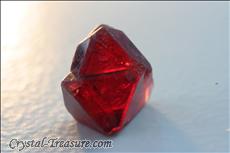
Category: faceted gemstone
<point>110,81</point>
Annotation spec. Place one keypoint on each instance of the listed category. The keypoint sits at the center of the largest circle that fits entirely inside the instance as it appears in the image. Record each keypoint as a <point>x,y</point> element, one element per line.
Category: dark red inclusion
<point>109,82</point>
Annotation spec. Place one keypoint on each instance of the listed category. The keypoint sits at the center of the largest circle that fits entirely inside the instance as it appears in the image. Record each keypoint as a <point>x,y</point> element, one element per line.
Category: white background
<point>185,42</point>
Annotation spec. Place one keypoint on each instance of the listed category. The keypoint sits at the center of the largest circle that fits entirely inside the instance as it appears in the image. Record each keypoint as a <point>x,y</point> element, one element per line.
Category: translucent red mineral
<point>110,81</point>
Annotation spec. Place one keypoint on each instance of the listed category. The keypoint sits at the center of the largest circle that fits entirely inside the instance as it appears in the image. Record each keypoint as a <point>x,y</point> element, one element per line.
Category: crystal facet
<point>109,82</point>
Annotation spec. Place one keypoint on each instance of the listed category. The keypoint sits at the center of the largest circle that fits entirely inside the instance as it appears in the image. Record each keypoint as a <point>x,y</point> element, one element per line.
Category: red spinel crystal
<point>109,82</point>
